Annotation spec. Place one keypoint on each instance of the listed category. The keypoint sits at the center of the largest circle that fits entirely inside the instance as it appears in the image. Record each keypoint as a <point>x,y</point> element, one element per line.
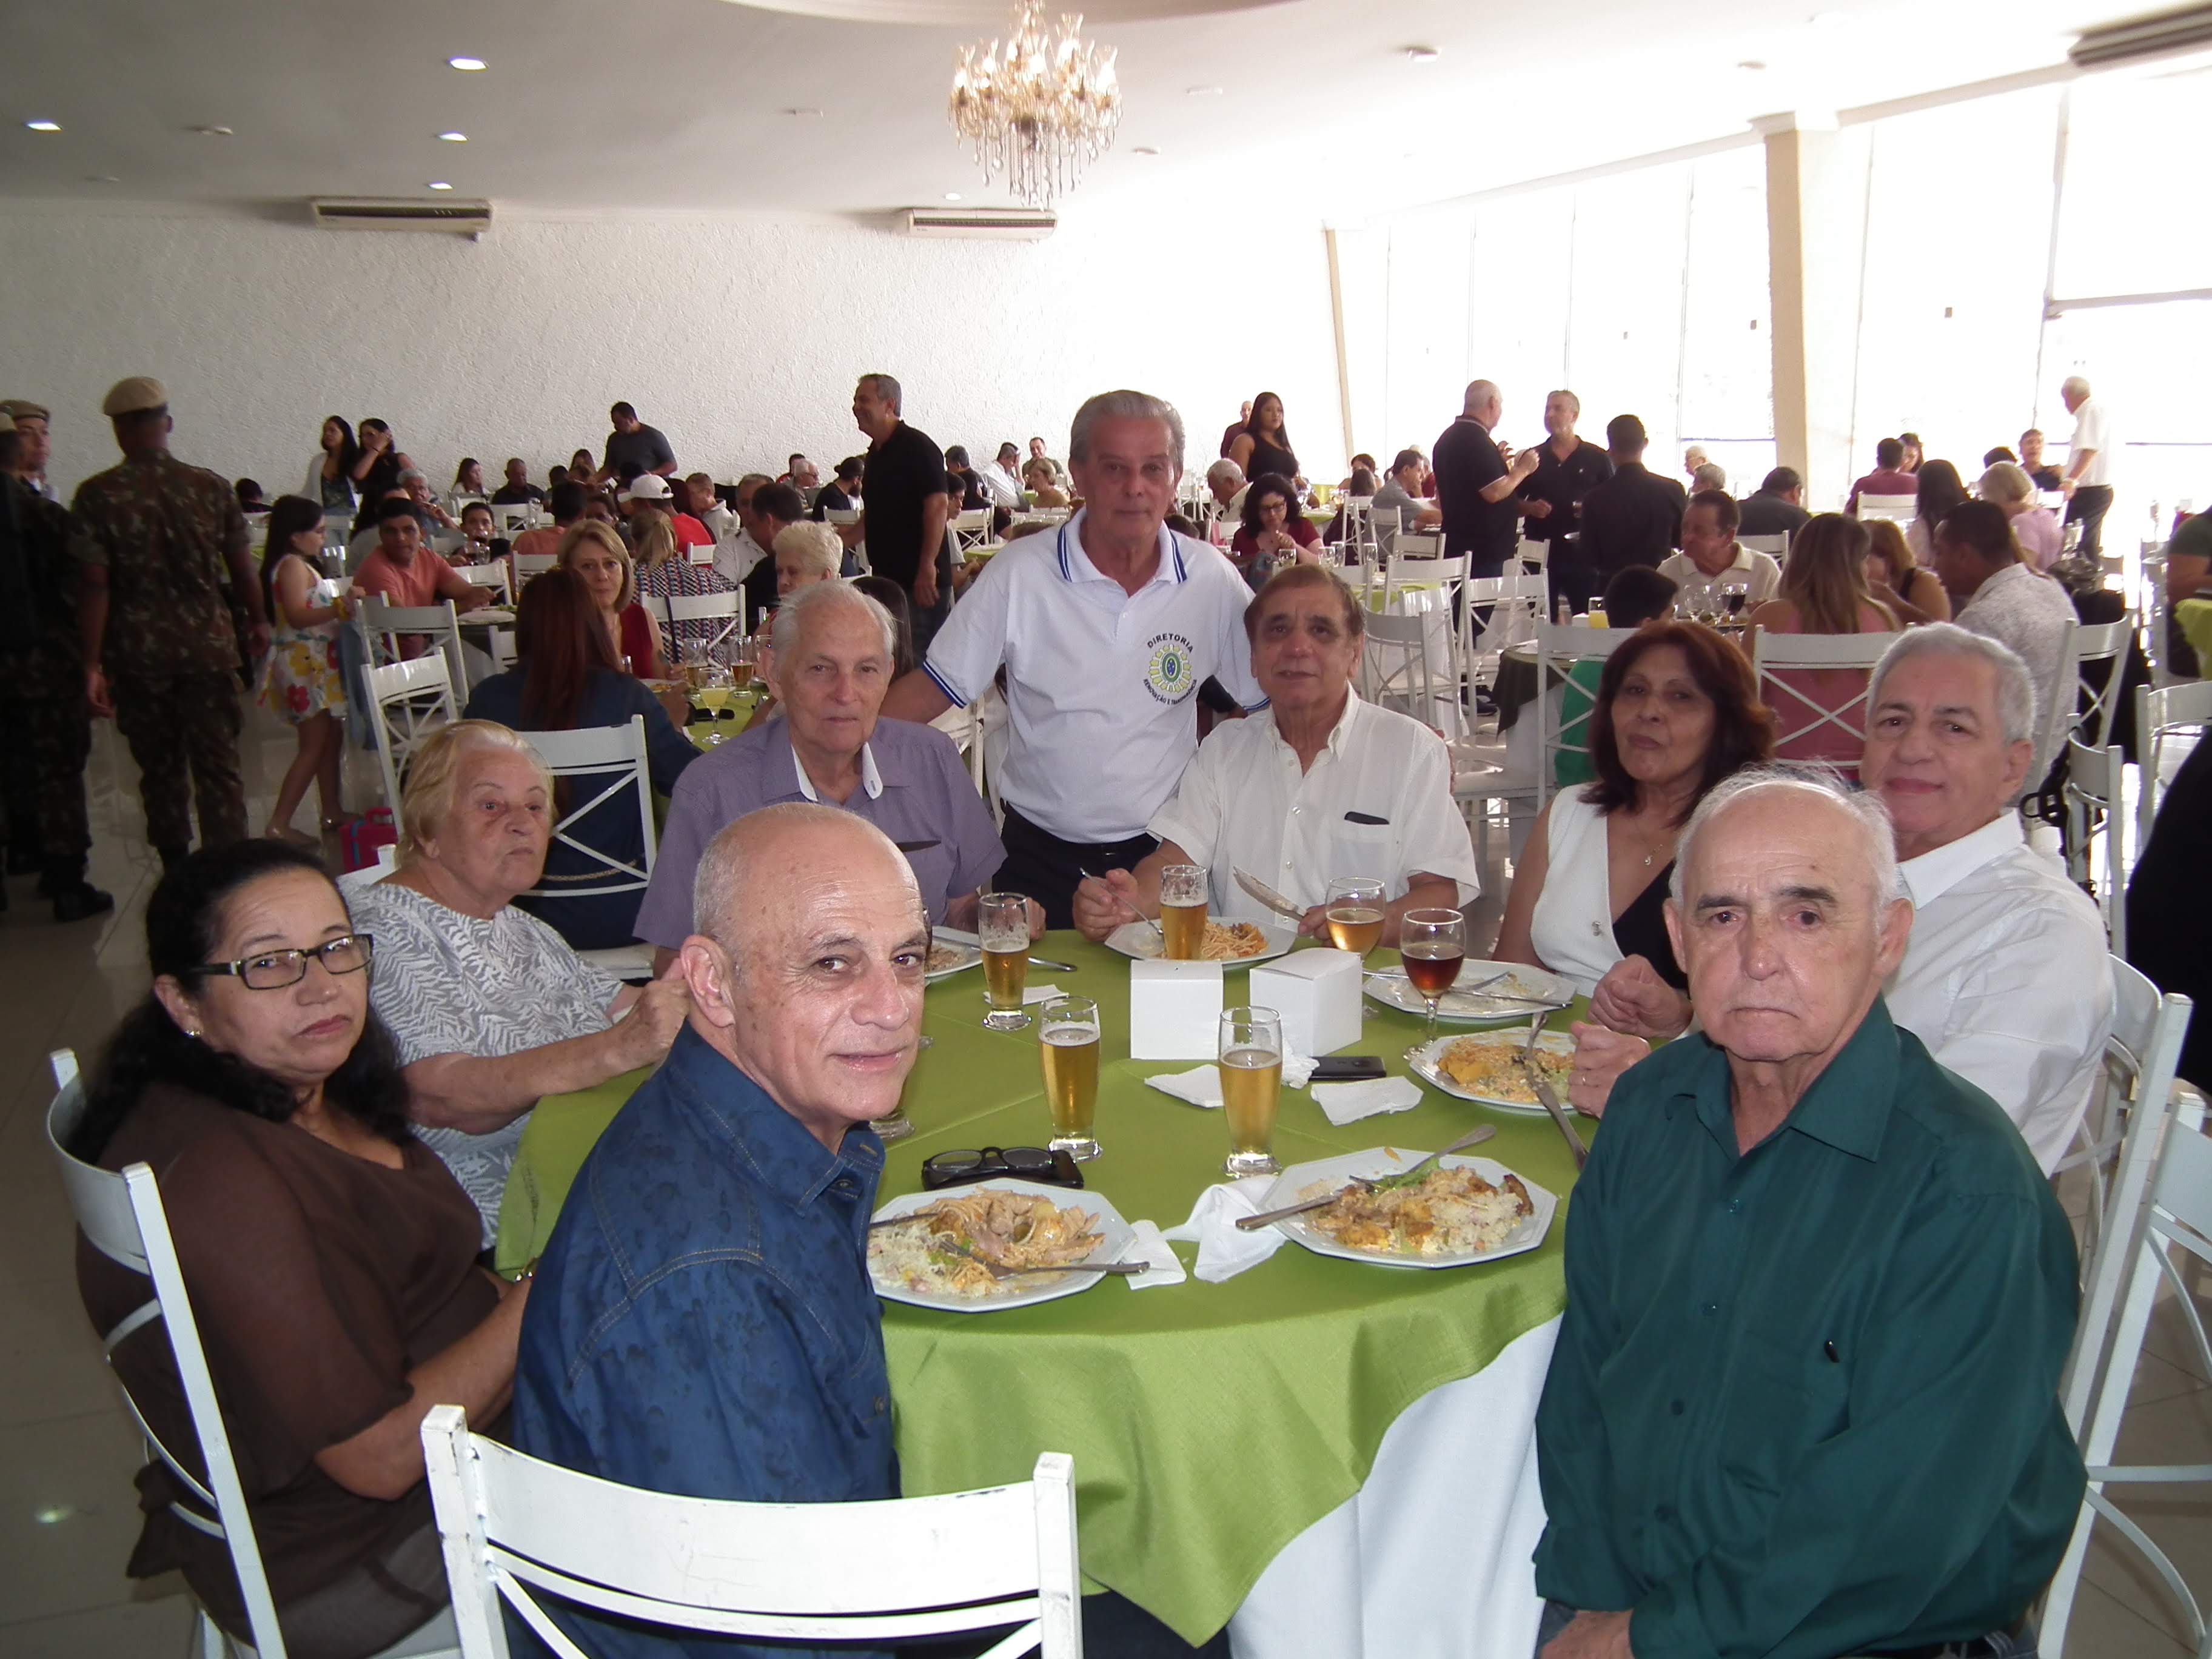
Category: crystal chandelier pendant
<point>1037,107</point>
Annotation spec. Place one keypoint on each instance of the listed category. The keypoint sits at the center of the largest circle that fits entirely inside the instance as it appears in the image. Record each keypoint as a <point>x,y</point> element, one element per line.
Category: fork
<point>997,1271</point>
<point>1125,905</point>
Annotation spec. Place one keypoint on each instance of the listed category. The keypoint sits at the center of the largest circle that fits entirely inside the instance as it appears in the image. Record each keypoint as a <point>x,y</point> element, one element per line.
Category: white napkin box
<point>1175,1010</point>
<point>1317,994</point>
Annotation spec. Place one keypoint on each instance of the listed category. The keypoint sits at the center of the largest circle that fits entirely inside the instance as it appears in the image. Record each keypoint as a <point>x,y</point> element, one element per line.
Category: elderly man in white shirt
<point>1320,786</point>
<point>1106,626</point>
<point>1993,593</point>
<point>2088,480</point>
<point>1711,554</point>
<point>2004,975</point>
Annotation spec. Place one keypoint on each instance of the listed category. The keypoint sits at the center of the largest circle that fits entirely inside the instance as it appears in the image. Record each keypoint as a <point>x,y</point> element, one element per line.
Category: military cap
<point>22,409</point>
<point>135,396</point>
<point>6,420</point>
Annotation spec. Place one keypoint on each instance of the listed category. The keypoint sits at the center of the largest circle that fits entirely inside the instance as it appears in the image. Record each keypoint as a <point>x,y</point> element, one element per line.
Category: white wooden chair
<point>2161,1201</point>
<point>384,627</point>
<point>1797,712</point>
<point>2106,643</point>
<point>1394,669</point>
<point>512,519</point>
<point>967,532</point>
<point>1775,547</point>
<point>353,883</point>
<point>515,1528</point>
<point>2094,814</point>
<point>1417,559</point>
<point>527,565</point>
<point>2161,712</point>
<point>1901,509</point>
<point>1534,555</point>
<point>494,577</point>
<point>1558,650</point>
<point>121,1217</point>
<point>668,611</point>
<point>408,701</point>
<point>1515,602</point>
<point>614,756</point>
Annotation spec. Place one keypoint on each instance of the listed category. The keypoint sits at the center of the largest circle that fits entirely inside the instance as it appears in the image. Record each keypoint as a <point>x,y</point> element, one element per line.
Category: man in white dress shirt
<point>2088,480</point>
<point>1711,552</point>
<point>1000,481</point>
<point>2004,975</point>
<point>1320,785</point>
<point>1105,626</point>
<point>1993,593</point>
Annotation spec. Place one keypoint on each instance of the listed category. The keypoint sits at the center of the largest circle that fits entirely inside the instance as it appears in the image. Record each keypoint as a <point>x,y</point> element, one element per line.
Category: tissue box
<point>1175,1010</point>
<point>1317,994</point>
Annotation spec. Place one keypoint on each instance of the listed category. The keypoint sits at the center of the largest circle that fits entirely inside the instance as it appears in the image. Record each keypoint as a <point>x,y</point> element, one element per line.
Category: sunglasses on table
<point>273,971</point>
<point>958,1169</point>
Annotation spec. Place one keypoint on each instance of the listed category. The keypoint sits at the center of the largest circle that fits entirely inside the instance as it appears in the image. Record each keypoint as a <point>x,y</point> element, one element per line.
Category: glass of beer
<point>1002,922</point>
<point>1354,912</point>
<point>1069,1028</point>
<point>1431,945</point>
<point>1183,911</point>
<point>1251,1053</point>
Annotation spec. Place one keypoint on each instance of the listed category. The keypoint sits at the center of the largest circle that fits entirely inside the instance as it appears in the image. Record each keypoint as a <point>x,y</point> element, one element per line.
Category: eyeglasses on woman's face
<point>275,971</point>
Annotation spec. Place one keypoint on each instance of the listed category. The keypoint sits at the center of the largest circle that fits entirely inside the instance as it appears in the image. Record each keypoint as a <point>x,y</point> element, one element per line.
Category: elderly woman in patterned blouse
<point>490,1008</point>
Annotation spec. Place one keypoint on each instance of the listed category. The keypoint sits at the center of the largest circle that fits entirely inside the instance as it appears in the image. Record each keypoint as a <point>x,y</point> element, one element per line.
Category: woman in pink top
<point>1823,590</point>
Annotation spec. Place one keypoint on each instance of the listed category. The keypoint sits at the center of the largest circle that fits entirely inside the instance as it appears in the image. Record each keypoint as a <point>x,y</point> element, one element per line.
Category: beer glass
<point>1183,911</point>
<point>1354,912</point>
<point>1431,945</point>
<point>1002,923</point>
<point>1069,1029</point>
<point>1251,1053</point>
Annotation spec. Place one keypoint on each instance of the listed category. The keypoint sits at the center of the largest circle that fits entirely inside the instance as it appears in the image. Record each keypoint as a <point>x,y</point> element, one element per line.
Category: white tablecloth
<point>1429,1560</point>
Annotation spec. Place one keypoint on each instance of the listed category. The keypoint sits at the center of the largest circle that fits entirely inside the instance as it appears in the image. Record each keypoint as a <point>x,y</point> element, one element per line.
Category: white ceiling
<point>1320,115</point>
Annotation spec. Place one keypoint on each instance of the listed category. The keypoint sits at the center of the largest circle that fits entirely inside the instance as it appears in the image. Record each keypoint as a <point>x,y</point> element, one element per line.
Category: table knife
<point>1267,895</point>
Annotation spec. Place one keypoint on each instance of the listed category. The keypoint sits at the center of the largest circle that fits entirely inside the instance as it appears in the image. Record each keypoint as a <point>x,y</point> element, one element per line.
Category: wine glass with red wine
<point>1431,945</point>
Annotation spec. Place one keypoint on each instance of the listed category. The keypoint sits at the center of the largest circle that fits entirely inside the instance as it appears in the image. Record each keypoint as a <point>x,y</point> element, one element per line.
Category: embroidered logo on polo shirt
<point>1168,674</point>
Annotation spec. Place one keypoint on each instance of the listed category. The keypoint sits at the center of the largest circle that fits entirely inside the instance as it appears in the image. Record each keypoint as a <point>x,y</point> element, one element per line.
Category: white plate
<point>1136,938</point>
<point>969,947</point>
<point>1022,1290</point>
<point>1388,1160</point>
<point>1422,1061</point>
<point>1526,990</point>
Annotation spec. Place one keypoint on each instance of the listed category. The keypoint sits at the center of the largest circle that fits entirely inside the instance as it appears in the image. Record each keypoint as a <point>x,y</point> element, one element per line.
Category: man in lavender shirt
<point>832,666</point>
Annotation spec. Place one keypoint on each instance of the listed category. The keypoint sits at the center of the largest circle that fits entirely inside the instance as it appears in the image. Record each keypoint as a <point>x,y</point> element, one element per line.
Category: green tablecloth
<point>2195,619</point>
<point>1210,1424</point>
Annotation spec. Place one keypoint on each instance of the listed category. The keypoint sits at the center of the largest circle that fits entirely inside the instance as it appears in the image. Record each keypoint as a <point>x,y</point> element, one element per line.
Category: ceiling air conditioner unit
<point>372,213</point>
<point>996,224</point>
<point>2134,39</point>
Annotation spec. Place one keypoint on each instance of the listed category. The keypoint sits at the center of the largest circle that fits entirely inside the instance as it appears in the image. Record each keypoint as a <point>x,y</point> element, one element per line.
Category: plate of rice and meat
<point>1239,944</point>
<point>951,952</point>
<point>1463,1209</point>
<point>1486,1069</point>
<point>935,1252</point>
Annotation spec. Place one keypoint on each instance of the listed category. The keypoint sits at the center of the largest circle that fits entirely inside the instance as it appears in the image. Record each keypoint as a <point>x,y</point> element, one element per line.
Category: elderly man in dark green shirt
<point>1804,1401</point>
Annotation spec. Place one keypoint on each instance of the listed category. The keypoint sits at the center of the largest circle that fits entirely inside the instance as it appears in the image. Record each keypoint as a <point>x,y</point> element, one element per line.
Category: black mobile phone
<point>1347,1068</point>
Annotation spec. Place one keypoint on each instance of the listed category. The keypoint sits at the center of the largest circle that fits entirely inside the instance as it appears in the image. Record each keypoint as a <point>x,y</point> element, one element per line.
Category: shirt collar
<point>1847,1107</point>
<point>1935,873</point>
<point>1075,564</point>
<point>870,779</point>
<point>774,1147</point>
<point>1339,735</point>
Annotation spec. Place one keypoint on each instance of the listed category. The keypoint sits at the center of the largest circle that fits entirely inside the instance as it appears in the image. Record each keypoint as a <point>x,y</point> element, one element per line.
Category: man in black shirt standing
<point>1475,482</point>
<point>1633,517</point>
<point>634,448</point>
<point>1567,469</point>
<point>902,520</point>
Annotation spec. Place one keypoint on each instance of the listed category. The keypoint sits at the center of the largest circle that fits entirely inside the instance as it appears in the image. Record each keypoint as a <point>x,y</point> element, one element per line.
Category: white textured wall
<point>739,339</point>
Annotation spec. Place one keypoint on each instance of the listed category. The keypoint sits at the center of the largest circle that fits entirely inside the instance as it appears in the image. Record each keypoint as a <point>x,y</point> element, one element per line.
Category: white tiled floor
<point>68,1511</point>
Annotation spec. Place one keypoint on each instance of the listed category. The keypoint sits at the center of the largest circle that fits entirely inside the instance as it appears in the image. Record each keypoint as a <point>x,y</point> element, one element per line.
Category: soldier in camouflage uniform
<point>155,541</point>
<point>44,720</point>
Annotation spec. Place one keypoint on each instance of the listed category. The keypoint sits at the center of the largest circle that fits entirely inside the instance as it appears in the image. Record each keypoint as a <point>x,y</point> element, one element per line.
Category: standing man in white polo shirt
<point>2087,478</point>
<point>1105,628</point>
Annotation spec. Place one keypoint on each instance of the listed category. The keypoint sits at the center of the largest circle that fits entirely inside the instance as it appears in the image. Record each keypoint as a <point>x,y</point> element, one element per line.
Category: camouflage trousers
<point>179,725</point>
<point>46,739</point>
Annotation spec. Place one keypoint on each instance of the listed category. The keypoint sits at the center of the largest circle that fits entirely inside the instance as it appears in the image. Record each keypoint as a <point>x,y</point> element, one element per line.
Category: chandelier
<point>1038,107</point>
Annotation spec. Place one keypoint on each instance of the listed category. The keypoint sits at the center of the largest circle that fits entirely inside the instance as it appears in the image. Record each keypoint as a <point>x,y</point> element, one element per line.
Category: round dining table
<point>1328,1456</point>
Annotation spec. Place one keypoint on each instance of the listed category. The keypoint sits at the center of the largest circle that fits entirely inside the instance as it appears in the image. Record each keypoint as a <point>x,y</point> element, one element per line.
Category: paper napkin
<point>1201,1085</point>
<point>1031,995</point>
<point>1224,1250</point>
<point>1150,1245</point>
<point>1348,1103</point>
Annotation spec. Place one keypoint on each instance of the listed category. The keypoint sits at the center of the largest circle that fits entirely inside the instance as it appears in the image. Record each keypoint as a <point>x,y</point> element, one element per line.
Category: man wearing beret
<point>46,727</point>
<point>156,543</point>
<point>32,421</point>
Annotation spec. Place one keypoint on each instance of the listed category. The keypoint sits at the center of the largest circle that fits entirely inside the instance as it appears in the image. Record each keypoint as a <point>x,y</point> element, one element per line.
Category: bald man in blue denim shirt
<point>703,1321</point>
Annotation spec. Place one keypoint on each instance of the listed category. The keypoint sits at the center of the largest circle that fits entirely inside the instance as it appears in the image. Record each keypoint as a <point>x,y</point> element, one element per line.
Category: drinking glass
<point>1251,1053</point>
<point>1068,1028</point>
<point>742,664</point>
<point>1431,945</point>
<point>1354,912</point>
<point>1735,595</point>
<point>1002,924</point>
<point>1183,911</point>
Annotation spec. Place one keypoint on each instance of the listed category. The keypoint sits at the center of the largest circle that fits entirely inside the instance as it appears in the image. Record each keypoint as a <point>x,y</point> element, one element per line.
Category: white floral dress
<point>302,679</point>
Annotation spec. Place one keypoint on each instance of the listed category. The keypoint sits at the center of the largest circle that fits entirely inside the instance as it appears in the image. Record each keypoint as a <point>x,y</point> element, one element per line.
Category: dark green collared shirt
<point>1805,1399</point>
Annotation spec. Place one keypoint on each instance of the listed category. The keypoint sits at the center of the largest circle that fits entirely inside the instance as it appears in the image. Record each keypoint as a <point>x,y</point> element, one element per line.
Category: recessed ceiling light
<point>800,112</point>
<point>44,126</point>
<point>1422,54</point>
<point>1144,149</point>
<point>951,195</point>
<point>452,138</point>
<point>1752,63</point>
<point>1203,92</point>
<point>470,65</point>
<point>439,183</point>
<point>215,132</point>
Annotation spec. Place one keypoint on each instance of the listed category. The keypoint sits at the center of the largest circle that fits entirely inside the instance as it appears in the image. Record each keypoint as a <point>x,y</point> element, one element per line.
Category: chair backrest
<point>407,701</point>
<point>513,1528</point>
<point>1394,669</point>
<point>669,609</point>
<point>1799,710</point>
<point>513,518</point>
<point>1774,547</point>
<point>968,531</point>
<point>493,576</point>
<point>122,1217</point>
<point>1557,649</point>
<point>2160,710</point>
<point>1901,507</point>
<point>616,757</point>
<point>2105,643</point>
<point>1417,559</point>
<point>2094,815</point>
<point>383,626</point>
<point>1515,602</point>
<point>841,515</point>
<point>527,565</point>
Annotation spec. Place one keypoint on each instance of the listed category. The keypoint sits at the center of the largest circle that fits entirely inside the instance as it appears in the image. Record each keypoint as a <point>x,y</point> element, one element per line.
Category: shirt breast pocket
<point>1364,849</point>
<point>1780,1402</point>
